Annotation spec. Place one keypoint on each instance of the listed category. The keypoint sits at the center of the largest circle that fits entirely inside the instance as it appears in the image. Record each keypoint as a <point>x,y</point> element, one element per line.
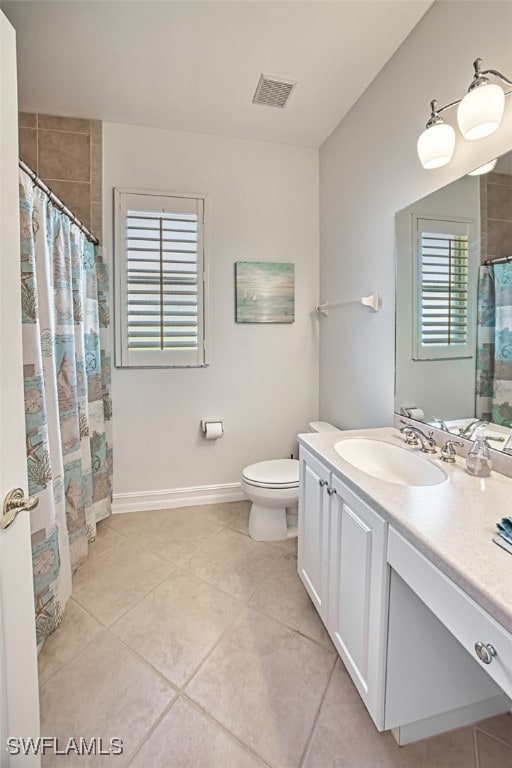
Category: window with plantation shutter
<point>160,280</point>
<point>443,289</point>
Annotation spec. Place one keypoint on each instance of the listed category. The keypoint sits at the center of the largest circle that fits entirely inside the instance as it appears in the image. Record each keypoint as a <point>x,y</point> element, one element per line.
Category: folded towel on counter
<point>505,529</point>
<point>501,542</point>
<point>504,537</point>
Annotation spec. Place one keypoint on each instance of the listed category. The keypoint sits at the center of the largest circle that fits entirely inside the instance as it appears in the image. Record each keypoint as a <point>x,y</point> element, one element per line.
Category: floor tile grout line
<point>145,662</point>
<point>299,632</point>
<point>268,615</point>
<point>221,725</point>
<point>181,687</point>
<point>190,571</point>
<point>129,540</point>
<point>492,736</point>
<point>309,741</point>
<point>243,606</point>
<point>133,540</point>
<point>179,568</point>
<point>202,543</point>
<point>225,632</point>
<point>475,749</point>
<point>93,558</point>
<point>149,592</point>
<point>87,611</point>
<point>229,626</point>
<point>152,729</point>
<point>175,685</point>
<point>68,661</point>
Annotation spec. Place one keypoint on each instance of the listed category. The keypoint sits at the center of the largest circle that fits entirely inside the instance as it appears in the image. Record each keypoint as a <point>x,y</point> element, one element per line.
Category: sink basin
<point>389,462</point>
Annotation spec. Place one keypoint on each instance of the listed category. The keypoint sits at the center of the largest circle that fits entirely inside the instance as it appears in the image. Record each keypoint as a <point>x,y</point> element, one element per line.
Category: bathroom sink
<point>389,462</point>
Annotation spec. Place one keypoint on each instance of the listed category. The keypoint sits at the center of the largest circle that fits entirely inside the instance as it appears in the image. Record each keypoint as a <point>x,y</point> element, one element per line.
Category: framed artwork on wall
<point>264,292</point>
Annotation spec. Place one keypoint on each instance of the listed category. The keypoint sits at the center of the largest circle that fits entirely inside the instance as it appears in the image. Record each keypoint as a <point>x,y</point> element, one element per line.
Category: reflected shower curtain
<point>66,364</point>
<point>494,344</point>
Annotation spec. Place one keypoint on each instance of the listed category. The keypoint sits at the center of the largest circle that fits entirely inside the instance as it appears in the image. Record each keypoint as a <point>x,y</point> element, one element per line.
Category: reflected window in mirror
<point>444,277</point>
<point>457,390</point>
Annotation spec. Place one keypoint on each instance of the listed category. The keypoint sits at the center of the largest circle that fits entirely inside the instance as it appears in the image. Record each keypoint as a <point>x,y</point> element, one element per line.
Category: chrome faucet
<point>440,422</point>
<point>469,429</point>
<point>448,452</point>
<point>428,444</point>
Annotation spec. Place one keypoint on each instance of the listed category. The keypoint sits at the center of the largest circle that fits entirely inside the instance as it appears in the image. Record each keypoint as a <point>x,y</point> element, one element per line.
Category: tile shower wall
<point>496,215</point>
<point>66,152</point>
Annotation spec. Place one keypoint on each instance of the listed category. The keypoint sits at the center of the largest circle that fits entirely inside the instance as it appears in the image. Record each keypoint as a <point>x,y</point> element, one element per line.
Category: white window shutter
<point>443,289</point>
<point>160,285</point>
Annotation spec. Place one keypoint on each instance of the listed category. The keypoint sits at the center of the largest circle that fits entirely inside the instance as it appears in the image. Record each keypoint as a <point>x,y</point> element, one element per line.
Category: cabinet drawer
<point>460,614</point>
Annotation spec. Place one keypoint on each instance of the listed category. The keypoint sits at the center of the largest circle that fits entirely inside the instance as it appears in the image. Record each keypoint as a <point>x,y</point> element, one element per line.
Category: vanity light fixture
<point>485,168</point>
<point>479,114</point>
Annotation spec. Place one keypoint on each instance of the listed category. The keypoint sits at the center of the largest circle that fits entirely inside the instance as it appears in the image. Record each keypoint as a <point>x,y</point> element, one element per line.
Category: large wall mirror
<point>454,306</point>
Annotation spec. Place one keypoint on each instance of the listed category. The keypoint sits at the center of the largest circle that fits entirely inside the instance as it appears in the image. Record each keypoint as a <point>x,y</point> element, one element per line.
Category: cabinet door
<point>358,582</point>
<point>313,544</point>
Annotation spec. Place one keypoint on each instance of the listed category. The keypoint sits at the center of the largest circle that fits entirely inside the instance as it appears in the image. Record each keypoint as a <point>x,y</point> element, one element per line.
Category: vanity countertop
<point>452,523</point>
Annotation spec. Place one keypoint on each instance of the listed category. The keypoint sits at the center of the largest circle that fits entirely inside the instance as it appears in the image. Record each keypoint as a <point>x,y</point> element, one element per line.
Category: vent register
<point>273,91</point>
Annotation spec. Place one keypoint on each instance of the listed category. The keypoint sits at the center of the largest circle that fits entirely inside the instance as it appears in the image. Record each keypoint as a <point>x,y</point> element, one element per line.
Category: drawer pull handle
<point>485,652</point>
<point>330,491</point>
<point>321,483</point>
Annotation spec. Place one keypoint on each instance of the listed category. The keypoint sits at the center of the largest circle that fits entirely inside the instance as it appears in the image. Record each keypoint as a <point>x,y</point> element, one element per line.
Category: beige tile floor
<point>200,649</point>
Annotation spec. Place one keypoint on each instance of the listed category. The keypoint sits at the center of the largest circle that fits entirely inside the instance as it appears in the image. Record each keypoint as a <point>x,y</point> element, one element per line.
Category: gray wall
<point>262,379</point>
<point>369,170</point>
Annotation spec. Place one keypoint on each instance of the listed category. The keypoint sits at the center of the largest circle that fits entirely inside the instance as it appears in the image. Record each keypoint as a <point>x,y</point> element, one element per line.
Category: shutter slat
<point>182,311</point>
<point>134,249</point>
<point>157,345</point>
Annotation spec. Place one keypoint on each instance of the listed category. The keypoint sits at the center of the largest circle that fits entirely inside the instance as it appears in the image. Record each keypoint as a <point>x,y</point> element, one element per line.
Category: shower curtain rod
<point>57,201</point>
<point>498,260</point>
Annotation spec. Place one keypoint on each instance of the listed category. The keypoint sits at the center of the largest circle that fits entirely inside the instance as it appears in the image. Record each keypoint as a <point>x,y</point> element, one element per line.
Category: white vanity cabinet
<point>342,563</point>
<point>314,532</point>
<point>406,633</point>
<point>358,593</point>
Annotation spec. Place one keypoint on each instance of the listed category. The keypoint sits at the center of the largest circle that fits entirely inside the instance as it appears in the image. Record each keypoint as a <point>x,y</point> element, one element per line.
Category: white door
<point>19,695</point>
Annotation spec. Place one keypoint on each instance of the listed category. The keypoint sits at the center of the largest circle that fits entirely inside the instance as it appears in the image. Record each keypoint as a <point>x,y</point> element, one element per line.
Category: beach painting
<point>264,292</point>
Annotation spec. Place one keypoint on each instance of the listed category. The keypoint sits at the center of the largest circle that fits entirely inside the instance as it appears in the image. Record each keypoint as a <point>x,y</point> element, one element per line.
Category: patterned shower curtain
<point>494,344</point>
<point>64,286</point>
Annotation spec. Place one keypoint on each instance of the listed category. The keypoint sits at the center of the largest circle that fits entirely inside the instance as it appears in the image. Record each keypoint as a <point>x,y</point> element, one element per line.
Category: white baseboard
<point>177,497</point>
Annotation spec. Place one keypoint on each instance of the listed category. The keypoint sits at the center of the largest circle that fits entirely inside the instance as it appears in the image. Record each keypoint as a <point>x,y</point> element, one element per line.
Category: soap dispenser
<point>478,460</point>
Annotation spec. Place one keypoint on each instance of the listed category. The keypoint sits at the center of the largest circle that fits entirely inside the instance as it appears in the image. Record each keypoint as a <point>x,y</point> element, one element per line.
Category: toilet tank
<point>322,426</point>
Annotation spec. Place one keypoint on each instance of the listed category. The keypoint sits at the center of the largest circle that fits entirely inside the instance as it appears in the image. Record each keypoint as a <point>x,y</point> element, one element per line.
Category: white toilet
<point>273,488</point>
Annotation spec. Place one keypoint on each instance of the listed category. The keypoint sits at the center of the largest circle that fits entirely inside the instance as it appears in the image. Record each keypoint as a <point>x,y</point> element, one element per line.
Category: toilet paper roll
<point>213,430</point>
<point>416,413</point>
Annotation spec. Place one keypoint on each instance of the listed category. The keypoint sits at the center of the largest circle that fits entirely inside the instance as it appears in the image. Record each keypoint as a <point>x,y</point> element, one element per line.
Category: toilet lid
<point>278,473</point>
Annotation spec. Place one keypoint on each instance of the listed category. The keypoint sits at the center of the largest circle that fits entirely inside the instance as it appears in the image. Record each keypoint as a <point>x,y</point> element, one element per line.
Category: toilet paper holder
<point>205,426</point>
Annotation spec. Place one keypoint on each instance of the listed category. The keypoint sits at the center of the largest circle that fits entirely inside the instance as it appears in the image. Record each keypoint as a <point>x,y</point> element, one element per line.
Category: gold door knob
<point>14,503</point>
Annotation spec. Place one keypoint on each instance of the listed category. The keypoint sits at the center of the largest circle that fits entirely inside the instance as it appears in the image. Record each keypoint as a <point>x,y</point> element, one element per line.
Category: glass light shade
<point>481,111</point>
<point>485,168</point>
<point>436,145</point>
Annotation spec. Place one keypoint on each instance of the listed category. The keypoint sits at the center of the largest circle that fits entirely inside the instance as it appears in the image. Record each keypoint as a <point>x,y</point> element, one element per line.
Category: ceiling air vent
<point>273,91</point>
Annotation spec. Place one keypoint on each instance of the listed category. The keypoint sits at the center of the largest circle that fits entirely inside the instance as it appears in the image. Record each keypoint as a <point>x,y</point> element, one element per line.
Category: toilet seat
<point>277,473</point>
